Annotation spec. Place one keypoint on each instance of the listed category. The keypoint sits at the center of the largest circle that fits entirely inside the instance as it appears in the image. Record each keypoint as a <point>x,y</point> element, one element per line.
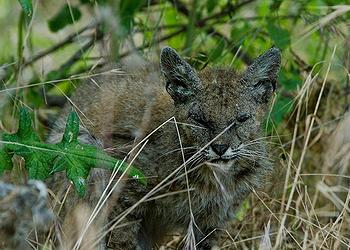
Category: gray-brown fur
<point>124,109</point>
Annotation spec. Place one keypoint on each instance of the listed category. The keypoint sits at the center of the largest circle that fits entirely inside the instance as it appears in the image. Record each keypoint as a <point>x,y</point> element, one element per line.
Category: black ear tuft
<point>168,58</point>
<point>262,74</point>
<point>182,81</point>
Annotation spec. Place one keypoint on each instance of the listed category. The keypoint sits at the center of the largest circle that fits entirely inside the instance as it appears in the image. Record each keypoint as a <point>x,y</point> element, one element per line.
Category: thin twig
<point>229,9</point>
<point>69,39</point>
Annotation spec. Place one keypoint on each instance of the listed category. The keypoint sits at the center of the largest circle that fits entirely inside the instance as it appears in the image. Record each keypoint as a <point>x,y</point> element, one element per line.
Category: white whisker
<point>177,149</point>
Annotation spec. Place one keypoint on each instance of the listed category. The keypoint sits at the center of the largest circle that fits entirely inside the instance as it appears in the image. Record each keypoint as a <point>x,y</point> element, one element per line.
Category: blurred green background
<point>48,46</point>
<point>47,42</point>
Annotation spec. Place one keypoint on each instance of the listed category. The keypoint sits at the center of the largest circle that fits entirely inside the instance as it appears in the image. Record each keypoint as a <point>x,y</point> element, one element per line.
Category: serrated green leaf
<point>25,134</point>
<point>26,6</point>
<point>27,144</point>
<point>79,184</point>
<point>58,164</point>
<point>72,129</point>
<point>25,128</point>
<point>67,15</point>
<point>5,161</point>
<point>43,160</point>
<point>77,159</point>
<point>37,164</point>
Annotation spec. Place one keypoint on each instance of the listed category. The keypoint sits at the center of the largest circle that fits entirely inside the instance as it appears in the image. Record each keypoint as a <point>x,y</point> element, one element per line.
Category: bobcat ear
<point>262,74</point>
<point>181,80</point>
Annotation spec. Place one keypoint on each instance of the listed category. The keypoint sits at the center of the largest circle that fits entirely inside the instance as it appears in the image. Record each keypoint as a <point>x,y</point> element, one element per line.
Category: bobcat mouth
<point>220,164</point>
<point>222,160</point>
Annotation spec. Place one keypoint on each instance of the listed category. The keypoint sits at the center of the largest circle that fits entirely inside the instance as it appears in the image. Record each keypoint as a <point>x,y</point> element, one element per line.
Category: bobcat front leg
<point>207,240</point>
<point>129,234</point>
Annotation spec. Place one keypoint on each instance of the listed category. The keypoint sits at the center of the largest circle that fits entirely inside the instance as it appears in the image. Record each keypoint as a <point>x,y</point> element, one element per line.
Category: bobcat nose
<point>219,149</point>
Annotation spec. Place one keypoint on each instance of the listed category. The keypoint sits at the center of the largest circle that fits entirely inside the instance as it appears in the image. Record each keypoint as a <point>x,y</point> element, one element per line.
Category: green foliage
<point>210,32</point>
<point>218,51</point>
<point>280,36</point>
<point>242,211</point>
<point>5,161</point>
<point>289,78</point>
<point>275,5</point>
<point>41,68</point>
<point>42,159</point>
<point>211,4</point>
<point>67,15</point>
<point>92,2</point>
<point>86,1</point>
<point>26,6</point>
<point>282,107</point>
<point>25,143</point>
<point>127,12</point>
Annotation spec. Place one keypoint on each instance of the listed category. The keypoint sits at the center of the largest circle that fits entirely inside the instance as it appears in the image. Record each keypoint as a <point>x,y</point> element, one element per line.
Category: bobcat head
<point>222,106</point>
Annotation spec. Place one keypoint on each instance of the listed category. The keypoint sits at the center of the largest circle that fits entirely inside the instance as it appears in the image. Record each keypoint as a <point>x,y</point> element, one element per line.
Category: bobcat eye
<point>243,117</point>
<point>200,121</point>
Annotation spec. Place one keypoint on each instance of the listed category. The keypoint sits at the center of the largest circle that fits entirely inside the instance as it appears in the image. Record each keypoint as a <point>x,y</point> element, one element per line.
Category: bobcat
<point>213,134</point>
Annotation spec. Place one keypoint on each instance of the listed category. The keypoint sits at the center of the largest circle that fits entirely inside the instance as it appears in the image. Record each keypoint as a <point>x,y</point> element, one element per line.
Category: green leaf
<point>211,5</point>
<point>217,52</point>
<point>26,6</point>
<point>289,78</point>
<point>26,143</point>
<point>67,15</point>
<point>5,161</point>
<point>281,37</point>
<point>43,160</point>
<point>127,12</point>
<point>86,1</point>
<point>275,5</point>
<point>200,61</point>
<point>72,129</point>
<point>92,2</point>
<point>242,211</point>
<point>25,128</point>
<point>78,159</point>
<point>281,108</point>
<point>38,164</point>
<point>34,97</point>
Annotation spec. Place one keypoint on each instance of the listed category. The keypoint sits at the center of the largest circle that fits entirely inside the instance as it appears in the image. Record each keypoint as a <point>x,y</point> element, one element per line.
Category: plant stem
<point>191,27</point>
